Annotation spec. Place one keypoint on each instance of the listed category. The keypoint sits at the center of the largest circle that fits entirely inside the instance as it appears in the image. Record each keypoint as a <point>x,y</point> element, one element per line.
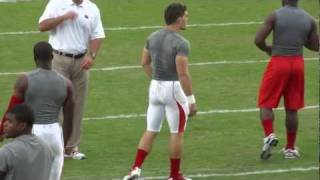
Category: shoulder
<point>91,6</point>
<point>22,80</point>
<point>155,33</point>
<point>32,73</point>
<point>182,40</point>
<point>307,14</point>
<point>6,153</point>
<point>53,4</point>
<point>11,147</point>
<point>6,149</point>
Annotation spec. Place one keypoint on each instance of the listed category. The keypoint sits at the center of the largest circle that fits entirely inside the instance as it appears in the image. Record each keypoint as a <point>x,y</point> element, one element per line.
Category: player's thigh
<point>273,82</point>
<point>294,92</point>
<point>176,114</point>
<point>155,116</point>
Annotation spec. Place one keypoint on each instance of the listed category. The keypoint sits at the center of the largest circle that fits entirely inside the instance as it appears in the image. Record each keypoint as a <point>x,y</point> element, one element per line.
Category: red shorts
<point>284,76</point>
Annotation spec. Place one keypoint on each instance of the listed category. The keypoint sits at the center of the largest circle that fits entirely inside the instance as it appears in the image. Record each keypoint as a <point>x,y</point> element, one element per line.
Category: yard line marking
<point>273,171</point>
<point>222,111</point>
<point>146,27</point>
<point>191,64</point>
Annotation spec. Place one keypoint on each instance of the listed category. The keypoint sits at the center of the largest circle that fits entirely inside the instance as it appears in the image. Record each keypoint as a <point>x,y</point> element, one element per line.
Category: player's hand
<point>70,15</point>
<point>87,62</point>
<point>192,110</point>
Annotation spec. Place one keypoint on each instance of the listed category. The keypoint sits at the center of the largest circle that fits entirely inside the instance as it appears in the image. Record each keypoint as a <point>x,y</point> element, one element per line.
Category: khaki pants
<point>71,69</point>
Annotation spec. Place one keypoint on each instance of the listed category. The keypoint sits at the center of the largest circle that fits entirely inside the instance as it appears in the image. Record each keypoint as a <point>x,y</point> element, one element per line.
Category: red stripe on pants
<point>182,118</point>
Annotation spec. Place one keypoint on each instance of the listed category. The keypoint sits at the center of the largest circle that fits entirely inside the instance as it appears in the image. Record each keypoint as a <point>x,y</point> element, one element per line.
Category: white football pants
<point>167,99</point>
<point>52,135</point>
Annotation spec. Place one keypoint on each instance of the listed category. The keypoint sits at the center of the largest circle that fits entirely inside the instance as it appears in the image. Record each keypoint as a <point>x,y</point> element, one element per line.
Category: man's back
<point>164,45</point>
<point>46,94</point>
<point>291,30</point>
<point>26,158</point>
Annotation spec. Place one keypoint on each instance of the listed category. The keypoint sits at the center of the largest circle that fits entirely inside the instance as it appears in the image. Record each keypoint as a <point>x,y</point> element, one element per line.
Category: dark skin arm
<point>313,38</point>
<point>20,87</point>
<point>263,33</point>
<point>68,113</point>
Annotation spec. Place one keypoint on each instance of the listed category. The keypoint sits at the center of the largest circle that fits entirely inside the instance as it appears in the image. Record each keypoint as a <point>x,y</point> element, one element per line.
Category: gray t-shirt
<point>291,31</point>
<point>26,157</point>
<point>46,93</point>
<point>163,46</point>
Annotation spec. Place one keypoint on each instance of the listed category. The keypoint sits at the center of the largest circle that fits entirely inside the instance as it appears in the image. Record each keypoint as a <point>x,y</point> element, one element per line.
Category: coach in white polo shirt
<point>76,34</point>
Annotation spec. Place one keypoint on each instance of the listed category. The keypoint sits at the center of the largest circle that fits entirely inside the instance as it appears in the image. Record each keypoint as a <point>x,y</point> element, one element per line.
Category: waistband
<point>74,56</point>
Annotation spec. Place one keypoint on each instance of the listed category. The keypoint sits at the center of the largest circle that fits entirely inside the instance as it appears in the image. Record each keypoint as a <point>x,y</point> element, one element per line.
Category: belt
<point>75,56</point>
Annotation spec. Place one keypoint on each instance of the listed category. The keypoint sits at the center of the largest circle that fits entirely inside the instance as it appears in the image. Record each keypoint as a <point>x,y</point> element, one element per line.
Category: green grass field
<point>218,146</point>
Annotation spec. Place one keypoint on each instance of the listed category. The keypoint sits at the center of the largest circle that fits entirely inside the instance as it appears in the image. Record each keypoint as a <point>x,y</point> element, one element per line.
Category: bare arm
<point>263,33</point>
<point>20,87</point>
<point>68,114</point>
<point>93,51</point>
<point>49,24</point>
<point>146,62</point>
<point>185,80</point>
<point>313,38</point>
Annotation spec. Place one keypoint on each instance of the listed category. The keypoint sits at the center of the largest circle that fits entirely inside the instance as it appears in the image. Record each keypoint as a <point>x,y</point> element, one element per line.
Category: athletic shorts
<point>52,135</point>
<point>167,99</point>
<point>284,76</point>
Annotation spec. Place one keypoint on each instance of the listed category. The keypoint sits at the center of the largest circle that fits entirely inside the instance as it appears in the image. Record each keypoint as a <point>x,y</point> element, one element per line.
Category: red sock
<point>267,125</point>
<point>291,139</point>
<point>140,156</point>
<point>175,167</point>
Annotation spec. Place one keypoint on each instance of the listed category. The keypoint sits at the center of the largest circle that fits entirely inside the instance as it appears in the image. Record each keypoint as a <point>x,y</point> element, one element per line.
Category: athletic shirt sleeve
<point>183,48</point>
<point>5,163</point>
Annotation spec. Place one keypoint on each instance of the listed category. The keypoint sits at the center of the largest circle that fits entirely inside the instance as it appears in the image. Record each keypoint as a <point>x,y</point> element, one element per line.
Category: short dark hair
<point>173,12</point>
<point>42,51</point>
<point>23,113</point>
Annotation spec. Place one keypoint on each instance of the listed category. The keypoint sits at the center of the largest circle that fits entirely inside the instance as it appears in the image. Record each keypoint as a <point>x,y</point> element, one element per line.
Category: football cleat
<point>180,177</point>
<point>269,143</point>
<point>75,155</point>
<point>290,153</point>
<point>134,174</point>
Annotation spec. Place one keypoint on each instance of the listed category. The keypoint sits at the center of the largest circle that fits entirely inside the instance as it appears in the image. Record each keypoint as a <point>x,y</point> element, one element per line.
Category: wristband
<point>191,99</point>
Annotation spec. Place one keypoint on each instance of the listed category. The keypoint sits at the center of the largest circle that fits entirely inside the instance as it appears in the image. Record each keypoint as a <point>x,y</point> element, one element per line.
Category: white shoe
<point>133,174</point>
<point>181,177</point>
<point>75,155</point>
<point>290,153</point>
<point>269,143</point>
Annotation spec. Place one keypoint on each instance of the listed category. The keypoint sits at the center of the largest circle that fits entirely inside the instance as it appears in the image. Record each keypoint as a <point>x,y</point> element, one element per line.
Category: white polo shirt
<point>73,36</point>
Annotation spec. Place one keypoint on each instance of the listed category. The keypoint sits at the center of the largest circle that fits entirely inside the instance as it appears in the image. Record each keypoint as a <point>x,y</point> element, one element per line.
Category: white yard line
<point>146,27</point>
<point>222,111</point>
<point>214,62</point>
<point>273,171</point>
<point>231,174</point>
